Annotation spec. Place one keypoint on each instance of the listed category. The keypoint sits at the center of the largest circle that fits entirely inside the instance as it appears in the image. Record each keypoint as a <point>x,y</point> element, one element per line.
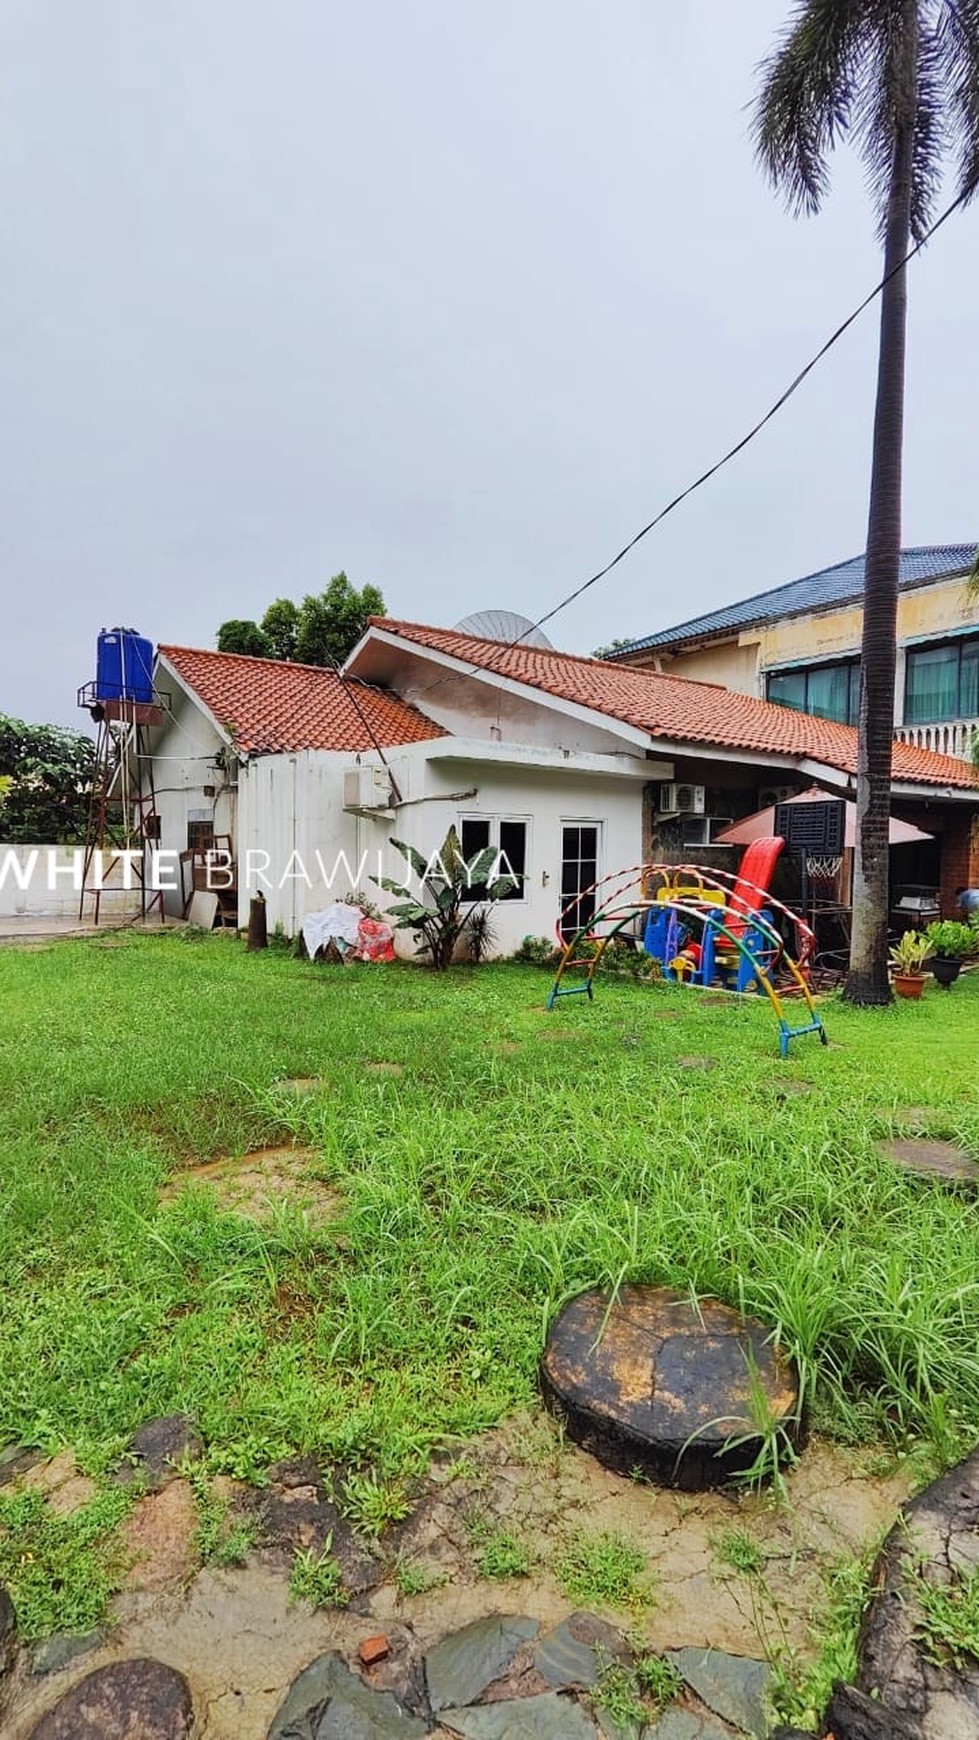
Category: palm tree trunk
<point>867,981</point>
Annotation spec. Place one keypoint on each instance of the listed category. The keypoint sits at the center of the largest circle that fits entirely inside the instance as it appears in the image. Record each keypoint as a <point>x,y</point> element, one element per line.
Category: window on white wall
<point>509,835</point>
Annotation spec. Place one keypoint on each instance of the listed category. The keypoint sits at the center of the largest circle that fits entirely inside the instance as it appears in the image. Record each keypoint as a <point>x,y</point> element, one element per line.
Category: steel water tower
<point>122,814</point>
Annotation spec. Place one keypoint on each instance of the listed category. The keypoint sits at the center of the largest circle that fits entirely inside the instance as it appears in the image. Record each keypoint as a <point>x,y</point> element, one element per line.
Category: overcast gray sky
<point>452,297</point>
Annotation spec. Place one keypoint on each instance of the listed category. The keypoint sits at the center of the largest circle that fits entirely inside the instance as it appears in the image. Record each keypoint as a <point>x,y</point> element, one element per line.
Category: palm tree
<point>901,76</point>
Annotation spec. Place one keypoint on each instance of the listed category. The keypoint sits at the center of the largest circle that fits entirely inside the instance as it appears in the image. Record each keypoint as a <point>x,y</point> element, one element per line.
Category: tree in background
<point>902,77</point>
<point>330,626</point>
<point>242,636</point>
<point>279,626</point>
<point>321,630</point>
<point>45,784</point>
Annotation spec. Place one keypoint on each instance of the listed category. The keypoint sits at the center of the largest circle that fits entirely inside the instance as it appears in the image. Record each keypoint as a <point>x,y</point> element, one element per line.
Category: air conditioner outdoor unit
<point>366,788</point>
<point>681,800</point>
<point>774,794</point>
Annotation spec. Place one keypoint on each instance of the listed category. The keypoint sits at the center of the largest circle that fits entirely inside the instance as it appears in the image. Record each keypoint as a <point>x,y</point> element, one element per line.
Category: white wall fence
<point>45,882</point>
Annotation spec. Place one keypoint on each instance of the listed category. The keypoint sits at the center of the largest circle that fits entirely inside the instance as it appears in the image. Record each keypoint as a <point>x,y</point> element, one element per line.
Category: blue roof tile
<point>818,591</point>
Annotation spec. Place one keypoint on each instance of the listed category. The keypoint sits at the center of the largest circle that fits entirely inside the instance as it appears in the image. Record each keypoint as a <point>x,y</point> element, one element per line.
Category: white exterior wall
<point>475,706</point>
<point>291,807</point>
<point>546,799</point>
<point>183,764</point>
<point>291,834</point>
<point>45,882</point>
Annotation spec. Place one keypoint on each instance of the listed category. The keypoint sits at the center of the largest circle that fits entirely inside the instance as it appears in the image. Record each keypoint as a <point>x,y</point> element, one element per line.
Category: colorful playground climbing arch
<point>704,927</point>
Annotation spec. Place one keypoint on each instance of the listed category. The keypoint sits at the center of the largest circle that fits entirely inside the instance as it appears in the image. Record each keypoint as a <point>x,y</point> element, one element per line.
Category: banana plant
<point>439,915</point>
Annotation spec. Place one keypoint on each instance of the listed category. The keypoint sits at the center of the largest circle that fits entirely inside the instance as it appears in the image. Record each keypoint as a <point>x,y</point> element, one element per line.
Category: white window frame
<point>494,822</point>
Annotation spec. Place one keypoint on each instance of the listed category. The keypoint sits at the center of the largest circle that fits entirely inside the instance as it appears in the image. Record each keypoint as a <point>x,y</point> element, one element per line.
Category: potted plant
<point>907,959</point>
<point>950,942</point>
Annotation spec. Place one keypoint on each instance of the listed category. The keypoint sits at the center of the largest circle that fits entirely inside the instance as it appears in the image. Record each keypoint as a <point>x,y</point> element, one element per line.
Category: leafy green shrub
<point>952,939</point>
<point>537,951</point>
<point>439,919</point>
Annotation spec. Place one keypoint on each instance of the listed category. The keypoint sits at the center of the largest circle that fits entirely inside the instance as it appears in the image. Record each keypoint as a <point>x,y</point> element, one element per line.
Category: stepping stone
<point>154,1451</point>
<point>685,1725</point>
<point>940,1161</point>
<point>548,1716</point>
<point>56,1652</point>
<point>141,1698</point>
<point>856,1717</point>
<point>652,1381</point>
<point>569,1655</point>
<point>8,1632</point>
<point>467,1661</point>
<point>328,1702</point>
<point>937,1532</point>
<point>730,1685</point>
<point>17,1459</point>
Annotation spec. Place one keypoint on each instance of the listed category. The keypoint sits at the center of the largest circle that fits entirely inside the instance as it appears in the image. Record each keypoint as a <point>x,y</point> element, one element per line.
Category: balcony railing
<point>952,737</point>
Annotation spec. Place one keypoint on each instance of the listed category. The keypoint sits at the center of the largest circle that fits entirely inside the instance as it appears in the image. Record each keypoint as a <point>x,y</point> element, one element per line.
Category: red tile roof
<point>272,708</point>
<point>680,710</point>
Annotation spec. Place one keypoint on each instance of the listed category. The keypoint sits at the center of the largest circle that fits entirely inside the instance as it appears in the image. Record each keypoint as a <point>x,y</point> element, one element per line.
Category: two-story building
<point>799,645</point>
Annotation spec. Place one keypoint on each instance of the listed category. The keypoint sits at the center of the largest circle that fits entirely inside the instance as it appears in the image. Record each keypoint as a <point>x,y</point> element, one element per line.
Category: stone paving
<point>196,1651</point>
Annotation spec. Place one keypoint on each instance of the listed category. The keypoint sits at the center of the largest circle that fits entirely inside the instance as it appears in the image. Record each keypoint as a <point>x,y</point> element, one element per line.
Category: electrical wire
<point>732,452</point>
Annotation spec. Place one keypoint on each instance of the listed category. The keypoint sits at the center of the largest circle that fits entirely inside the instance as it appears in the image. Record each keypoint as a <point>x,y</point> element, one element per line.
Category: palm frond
<point>904,88</point>
<point>809,85</point>
<point>958,50</point>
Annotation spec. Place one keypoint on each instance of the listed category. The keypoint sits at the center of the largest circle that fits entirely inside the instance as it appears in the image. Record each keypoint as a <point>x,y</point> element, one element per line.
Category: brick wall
<point>957,832</point>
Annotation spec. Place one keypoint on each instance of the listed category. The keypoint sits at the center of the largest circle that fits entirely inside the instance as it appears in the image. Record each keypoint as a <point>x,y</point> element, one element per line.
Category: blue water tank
<point>124,667</point>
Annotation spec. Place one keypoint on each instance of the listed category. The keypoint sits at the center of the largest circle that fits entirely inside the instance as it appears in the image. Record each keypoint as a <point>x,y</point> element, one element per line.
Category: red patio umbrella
<point>762,823</point>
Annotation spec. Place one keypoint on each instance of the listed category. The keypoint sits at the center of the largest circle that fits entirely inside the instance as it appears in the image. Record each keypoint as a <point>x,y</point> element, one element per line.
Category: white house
<point>573,767</point>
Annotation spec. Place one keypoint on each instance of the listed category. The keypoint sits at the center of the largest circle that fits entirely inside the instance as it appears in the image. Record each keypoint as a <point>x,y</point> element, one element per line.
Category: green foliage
<point>502,1557</point>
<point>948,1627</point>
<point>45,783</point>
<point>371,1504</point>
<point>476,1193</point>
<point>604,1570</point>
<point>910,953</point>
<point>658,1680</point>
<point>331,623</point>
<point>952,939</point>
<point>537,951</point>
<point>635,1696</point>
<point>414,1577</point>
<point>240,635</point>
<point>322,630</point>
<point>280,626</point>
<point>735,1549</point>
<point>221,1539</point>
<point>855,70</point>
<point>602,652</point>
<point>316,1578</point>
<point>60,1571</point>
<point>439,918</point>
<point>800,1695</point>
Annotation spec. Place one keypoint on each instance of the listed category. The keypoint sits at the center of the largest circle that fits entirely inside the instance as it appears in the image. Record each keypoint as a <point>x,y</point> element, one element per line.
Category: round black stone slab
<point>654,1382</point>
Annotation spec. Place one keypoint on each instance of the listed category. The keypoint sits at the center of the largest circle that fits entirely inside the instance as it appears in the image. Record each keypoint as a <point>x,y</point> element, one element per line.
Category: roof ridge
<point>547,652</point>
<point>675,631</point>
<point>211,652</point>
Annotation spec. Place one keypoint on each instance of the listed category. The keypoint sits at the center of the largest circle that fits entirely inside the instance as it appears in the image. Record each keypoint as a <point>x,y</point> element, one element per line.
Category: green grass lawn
<point>520,1157</point>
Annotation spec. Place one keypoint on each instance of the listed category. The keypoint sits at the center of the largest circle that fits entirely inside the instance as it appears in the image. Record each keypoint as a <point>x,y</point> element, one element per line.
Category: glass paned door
<point>579,869</point>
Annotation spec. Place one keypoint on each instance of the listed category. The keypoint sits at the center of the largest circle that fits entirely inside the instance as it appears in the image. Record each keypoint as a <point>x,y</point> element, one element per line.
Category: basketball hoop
<point>823,869</point>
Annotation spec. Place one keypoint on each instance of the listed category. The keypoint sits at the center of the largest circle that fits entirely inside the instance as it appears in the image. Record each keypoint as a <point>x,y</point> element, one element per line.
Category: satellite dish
<point>505,625</point>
